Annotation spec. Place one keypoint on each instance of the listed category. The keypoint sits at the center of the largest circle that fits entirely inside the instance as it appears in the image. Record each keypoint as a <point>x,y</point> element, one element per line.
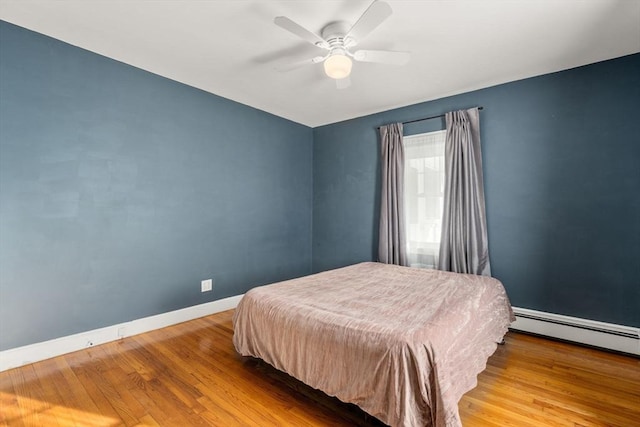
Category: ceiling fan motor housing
<point>334,34</point>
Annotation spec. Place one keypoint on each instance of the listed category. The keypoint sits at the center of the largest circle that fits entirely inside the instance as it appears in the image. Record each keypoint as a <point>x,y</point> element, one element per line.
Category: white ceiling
<point>231,48</point>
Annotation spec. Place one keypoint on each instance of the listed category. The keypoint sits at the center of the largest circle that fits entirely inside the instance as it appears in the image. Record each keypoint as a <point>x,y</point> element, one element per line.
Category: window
<point>424,196</point>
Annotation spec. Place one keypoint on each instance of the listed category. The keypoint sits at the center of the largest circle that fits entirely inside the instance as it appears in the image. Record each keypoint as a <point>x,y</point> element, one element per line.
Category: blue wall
<point>120,190</point>
<point>562,178</point>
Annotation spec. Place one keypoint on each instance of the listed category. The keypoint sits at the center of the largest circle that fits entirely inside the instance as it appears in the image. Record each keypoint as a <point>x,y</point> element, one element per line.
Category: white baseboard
<point>599,334</point>
<point>20,356</point>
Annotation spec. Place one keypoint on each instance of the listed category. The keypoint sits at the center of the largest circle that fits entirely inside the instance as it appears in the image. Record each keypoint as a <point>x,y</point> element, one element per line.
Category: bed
<point>403,344</point>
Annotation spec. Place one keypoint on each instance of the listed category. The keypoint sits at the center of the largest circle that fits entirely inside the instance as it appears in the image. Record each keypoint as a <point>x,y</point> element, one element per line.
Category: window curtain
<point>391,246</point>
<point>464,246</point>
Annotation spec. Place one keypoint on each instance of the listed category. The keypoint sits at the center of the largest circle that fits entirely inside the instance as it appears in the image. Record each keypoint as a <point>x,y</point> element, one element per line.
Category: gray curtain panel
<point>391,247</point>
<point>464,247</point>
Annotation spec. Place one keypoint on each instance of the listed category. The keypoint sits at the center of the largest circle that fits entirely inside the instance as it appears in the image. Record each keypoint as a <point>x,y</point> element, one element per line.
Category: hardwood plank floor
<point>190,375</point>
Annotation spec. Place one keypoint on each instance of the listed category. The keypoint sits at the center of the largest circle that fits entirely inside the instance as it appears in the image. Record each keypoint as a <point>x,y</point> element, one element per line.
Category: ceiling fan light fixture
<point>338,66</point>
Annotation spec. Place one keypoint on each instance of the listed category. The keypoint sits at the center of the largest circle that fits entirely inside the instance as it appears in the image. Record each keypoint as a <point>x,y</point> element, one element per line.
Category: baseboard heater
<point>609,336</point>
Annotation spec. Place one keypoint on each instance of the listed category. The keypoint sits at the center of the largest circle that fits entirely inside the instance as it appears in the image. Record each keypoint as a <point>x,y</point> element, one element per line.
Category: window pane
<point>424,196</point>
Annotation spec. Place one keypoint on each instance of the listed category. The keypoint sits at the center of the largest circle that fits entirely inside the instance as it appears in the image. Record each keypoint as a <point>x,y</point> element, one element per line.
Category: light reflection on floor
<point>20,410</point>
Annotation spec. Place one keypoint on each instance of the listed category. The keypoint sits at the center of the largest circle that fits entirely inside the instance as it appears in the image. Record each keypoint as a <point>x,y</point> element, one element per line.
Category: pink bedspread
<point>403,344</point>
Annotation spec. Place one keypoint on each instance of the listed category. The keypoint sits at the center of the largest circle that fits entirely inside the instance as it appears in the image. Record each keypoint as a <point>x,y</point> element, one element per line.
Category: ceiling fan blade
<point>299,64</point>
<point>298,30</point>
<point>370,19</point>
<point>343,83</point>
<point>382,56</point>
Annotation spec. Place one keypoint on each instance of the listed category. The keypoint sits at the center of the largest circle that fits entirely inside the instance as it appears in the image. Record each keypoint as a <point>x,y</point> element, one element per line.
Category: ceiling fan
<point>338,38</point>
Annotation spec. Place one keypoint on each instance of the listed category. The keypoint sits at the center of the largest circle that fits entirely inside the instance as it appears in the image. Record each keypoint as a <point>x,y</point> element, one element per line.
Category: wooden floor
<point>190,375</point>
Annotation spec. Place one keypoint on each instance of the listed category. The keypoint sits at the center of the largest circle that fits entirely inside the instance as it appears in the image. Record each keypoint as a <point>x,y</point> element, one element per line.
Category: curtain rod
<point>427,118</point>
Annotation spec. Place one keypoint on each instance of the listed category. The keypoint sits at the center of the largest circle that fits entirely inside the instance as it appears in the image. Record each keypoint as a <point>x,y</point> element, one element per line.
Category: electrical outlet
<point>122,331</point>
<point>206,285</point>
